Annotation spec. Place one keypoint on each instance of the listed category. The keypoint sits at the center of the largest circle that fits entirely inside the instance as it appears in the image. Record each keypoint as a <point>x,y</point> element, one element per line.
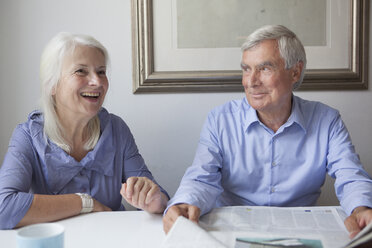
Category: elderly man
<point>272,148</point>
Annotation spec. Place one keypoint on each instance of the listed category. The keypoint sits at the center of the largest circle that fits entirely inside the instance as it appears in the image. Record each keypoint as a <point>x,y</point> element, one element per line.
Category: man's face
<point>268,85</point>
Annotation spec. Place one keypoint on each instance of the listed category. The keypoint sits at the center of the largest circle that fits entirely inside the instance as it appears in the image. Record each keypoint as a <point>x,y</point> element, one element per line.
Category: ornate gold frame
<point>146,79</point>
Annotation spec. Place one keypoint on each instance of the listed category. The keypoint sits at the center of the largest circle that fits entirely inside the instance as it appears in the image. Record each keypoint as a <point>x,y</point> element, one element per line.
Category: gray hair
<point>290,47</point>
<point>50,73</point>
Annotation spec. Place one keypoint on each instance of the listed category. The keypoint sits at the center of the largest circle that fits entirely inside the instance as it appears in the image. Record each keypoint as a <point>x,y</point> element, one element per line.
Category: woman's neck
<point>74,130</point>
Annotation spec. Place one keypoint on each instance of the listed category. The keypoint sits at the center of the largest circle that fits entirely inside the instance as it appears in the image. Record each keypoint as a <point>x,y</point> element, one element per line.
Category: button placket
<point>273,165</point>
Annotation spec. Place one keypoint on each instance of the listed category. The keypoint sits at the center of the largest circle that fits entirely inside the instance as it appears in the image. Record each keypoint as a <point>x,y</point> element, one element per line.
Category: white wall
<point>166,126</point>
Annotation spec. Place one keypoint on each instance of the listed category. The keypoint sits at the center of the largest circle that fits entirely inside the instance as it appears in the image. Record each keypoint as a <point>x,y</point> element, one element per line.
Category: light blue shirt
<point>33,166</point>
<point>239,161</point>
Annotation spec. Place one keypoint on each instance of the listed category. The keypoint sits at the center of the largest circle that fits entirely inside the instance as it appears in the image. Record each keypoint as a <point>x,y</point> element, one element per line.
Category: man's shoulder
<point>311,109</point>
<point>231,107</point>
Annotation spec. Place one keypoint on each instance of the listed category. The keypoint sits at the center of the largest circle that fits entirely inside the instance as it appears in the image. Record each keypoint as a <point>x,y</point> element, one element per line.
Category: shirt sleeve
<point>15,180</point>
<point>201,184</point>
<point>134,164</point>
<point>353,185</point>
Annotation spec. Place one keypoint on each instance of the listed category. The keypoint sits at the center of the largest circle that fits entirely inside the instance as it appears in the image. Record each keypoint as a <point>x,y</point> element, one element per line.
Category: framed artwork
<point>194,45</point>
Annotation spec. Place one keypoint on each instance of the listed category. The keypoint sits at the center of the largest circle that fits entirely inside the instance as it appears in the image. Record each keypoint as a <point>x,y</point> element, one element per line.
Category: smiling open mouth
<point>90,94</point>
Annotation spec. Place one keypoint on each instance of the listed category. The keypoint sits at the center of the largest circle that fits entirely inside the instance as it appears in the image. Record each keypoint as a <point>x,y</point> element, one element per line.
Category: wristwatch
<point>86,203</point>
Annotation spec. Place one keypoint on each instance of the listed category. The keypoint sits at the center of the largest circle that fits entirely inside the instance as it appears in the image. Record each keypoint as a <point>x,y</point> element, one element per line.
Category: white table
<point>106,229</point>
<point>141,229</point>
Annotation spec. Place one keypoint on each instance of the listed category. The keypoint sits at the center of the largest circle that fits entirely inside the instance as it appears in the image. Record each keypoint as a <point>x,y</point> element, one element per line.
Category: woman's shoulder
<point>27,132</point>
<point>111,120</point>
<point>34,124</point>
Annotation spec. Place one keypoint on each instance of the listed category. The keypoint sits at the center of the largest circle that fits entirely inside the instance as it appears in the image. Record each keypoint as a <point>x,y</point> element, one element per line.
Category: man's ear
<point>297,70</point>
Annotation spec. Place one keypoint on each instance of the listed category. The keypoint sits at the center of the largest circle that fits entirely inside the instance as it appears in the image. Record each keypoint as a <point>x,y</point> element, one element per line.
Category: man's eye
<point>103,72</point>
<point>246,69</point>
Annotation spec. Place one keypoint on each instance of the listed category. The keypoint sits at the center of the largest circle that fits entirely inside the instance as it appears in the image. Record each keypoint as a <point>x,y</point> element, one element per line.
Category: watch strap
<point>86,203</point>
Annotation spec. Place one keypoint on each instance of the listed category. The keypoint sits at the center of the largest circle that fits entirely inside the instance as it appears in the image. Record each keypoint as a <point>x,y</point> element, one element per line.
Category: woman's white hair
<point>50,73</point>
<point>290,47</point>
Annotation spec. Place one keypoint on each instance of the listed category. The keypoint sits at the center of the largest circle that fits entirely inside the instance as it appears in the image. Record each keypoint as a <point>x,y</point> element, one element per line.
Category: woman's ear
<point>54,90</point>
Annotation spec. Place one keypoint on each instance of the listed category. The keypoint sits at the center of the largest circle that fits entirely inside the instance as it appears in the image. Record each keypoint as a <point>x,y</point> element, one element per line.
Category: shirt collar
<point>250,115</point>
<point>61,167</point>
<point>296,114</point>
<point>251,118</point>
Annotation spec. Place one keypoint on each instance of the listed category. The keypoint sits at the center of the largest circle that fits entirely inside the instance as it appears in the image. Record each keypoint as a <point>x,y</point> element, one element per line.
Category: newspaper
<point>228,226</point>
<point>362,239</point>
<point>324,224</point>
<point>187,234</point>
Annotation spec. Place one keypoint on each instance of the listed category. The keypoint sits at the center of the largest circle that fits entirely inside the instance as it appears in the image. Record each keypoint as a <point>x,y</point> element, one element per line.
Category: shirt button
<point>272,190</point>
<point>273,164</point>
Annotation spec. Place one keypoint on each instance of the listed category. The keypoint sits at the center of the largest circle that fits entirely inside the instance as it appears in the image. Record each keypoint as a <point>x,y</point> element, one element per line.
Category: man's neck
<point>275,119</point>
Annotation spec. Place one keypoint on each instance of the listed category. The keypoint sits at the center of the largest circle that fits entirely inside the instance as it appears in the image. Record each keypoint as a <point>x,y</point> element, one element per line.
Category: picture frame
<point>148,80</point>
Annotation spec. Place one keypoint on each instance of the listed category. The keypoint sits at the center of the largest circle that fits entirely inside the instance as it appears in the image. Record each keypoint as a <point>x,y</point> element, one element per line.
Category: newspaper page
<point>319,226</point>
<point>186,234</point>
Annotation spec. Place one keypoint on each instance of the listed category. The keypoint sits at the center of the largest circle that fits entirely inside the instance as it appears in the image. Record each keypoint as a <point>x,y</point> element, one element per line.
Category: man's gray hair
<point>50,73</point>
<point>290,47</point>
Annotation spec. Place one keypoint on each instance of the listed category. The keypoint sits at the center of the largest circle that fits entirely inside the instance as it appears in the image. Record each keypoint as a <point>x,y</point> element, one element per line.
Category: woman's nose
<point>95,79</point>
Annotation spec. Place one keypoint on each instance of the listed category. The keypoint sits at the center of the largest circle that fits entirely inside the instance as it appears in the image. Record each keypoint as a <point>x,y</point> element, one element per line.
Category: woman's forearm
<point>46,208</point>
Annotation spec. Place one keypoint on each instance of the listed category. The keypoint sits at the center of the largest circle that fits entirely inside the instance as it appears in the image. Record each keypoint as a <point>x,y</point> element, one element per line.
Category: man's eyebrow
<point>244,66</point>
<point>263,64</point>
<point>266,63</point>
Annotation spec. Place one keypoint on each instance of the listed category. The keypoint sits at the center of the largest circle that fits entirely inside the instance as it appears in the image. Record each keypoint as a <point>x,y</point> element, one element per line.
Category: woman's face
<point>83,84</point>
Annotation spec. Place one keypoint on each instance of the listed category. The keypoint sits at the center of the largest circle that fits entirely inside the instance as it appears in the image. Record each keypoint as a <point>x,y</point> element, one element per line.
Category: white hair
<point>50,73</point>
<point>290,47</point>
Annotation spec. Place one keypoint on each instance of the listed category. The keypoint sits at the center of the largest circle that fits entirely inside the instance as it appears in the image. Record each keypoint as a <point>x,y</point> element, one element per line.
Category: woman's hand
<point>99,207</point>
<point>143,193</point>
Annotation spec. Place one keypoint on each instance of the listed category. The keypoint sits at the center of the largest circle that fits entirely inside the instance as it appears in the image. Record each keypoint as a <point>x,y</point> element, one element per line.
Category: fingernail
<point>353,234</point>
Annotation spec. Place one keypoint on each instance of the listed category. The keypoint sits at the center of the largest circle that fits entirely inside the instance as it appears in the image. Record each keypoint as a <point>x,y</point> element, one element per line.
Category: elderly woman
<point>73,157</point>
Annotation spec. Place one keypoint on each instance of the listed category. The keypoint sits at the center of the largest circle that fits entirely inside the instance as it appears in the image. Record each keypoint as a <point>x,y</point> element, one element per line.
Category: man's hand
<point>188,211</point>
<point>360,217</point>
<point>143,193</point>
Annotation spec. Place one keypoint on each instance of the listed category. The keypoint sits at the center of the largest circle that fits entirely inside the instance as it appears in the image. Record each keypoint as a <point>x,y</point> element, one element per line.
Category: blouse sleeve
<point>15,179</point>
<point>134,164</point>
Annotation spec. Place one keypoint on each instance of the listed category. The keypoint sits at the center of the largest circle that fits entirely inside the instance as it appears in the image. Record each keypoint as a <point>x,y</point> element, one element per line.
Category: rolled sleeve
<point>353,185</point>
<point>197,194</point>
<point>201,184</point>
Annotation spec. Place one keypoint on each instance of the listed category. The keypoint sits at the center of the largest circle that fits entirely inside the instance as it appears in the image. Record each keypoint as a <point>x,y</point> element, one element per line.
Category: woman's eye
<point>80,71</point>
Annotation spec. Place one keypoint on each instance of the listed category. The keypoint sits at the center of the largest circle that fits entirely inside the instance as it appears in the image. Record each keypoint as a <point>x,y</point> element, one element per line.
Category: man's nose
<point>252,79</point>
